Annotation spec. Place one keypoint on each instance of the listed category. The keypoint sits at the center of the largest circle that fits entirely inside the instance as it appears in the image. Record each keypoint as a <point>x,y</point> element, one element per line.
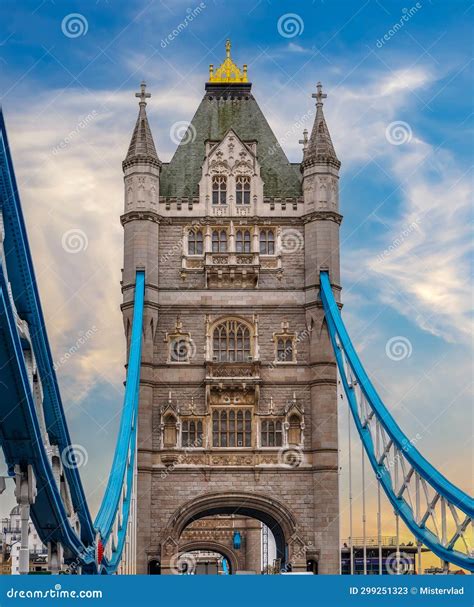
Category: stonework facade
<point>238,407</point>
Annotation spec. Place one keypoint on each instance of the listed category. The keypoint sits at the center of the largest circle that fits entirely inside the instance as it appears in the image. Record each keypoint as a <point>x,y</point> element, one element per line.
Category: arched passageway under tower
<point>269,511</point>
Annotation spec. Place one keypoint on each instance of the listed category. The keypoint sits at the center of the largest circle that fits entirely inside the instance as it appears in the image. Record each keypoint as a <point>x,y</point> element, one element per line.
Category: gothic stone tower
<point>238,408</point>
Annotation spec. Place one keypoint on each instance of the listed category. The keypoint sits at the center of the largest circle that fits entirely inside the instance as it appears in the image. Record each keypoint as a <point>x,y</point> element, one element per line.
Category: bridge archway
<point>211,546</point>
<point>268,510</point>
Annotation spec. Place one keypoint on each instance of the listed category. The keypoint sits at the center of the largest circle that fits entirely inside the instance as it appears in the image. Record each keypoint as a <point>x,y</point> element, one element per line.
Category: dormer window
<point>242,192</point>
<point>195,243</point>
<point>219,189</point>
<point>219,241</point>
<point>267,242</point>
<point>242,241</point>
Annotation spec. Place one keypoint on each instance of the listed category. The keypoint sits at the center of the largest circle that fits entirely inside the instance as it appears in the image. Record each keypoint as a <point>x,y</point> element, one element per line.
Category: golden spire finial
<point>228,71</point>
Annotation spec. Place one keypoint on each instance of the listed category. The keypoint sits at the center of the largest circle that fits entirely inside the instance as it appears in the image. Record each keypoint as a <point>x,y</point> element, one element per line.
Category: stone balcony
<point>229,380</point>
<point>232,269</point>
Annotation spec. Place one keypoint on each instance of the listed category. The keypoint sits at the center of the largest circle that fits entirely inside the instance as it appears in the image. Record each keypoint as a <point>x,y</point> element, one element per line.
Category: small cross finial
<point>319,96</point>
<point>304,141</point>
<point>227,48</point>
<point>142,95</point>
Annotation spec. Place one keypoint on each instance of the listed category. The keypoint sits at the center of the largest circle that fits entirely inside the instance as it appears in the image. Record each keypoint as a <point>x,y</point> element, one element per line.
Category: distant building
<point>406,560</point>
<point>10,537</point>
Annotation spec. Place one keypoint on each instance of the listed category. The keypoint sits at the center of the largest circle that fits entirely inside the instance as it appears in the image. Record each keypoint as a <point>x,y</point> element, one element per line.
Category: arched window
<point>219,241</point>
<point>191,434</point>
<point>232,428</point>
<point>169,432</point>
<point>271,434</point>
<point>195,243</point>
<point>231,342</point>
<point>285,349</point>
<point>267,242</point>
<point>219,189</point>
<point>294,430</point>
<point>242,241</point>
<point>242,190</point>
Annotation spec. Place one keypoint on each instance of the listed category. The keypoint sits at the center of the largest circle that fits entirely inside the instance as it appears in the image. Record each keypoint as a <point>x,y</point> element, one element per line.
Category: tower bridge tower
<point>238,407</point>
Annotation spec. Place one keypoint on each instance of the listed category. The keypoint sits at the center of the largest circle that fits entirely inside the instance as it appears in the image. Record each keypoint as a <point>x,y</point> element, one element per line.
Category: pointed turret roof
<point>142,147</point>
<point>319,148</point>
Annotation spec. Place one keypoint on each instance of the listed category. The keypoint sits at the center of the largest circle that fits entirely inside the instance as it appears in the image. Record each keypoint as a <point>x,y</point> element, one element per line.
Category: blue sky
<point>70,109</point>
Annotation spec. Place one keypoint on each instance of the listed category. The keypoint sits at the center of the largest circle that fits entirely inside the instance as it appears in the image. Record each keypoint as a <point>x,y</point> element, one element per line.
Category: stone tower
<point>238,407</point>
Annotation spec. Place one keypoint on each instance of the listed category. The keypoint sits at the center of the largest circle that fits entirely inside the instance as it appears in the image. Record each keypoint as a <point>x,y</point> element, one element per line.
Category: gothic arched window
<point>285,349</point>
<point>232,428</point>
<point>242,241</point>
<point>231,342</point>
<point>267,242</point>
<point>195,242</point>
<point>271,433</point>
<point>219,189</point>
<point>219,241</point>
<point>242,190</point>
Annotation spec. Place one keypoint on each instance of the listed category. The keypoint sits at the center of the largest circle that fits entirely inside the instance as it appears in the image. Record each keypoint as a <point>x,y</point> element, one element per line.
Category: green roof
<point>222,108</point>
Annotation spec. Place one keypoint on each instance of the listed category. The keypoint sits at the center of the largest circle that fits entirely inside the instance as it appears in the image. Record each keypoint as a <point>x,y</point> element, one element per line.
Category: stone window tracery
<point>271,434</point>
<point>285,345</point>
<point>267,242</point>
<point>219,241</point>
<point>243,241</point>
<point>195,242</point>
<point>284,349</point>
<point>232,428</point>
<point>231,342</point>
<point>242,189</point>
<point>192,433</point>
<point>219,189</point>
